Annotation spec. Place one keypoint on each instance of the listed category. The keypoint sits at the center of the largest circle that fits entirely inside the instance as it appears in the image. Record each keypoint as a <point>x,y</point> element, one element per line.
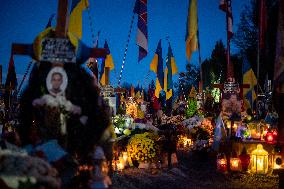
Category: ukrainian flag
<point>191,29</point>
<point>107,63</point>
<point>248,78</point>
<point>75,19</point>
<point>157,67</point>
<point>170,70</point>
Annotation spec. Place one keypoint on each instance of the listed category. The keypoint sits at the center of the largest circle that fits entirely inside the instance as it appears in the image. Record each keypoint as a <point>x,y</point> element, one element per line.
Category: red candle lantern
<point>221,163</point>
<point>245,159</point>
<point>270,138</point>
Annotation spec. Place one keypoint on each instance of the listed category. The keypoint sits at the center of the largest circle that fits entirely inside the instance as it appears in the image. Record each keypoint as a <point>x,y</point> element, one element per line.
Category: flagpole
<point>229,73</point>
<point>199,60</point>
<point>126,48</point>
<point>258,53</point>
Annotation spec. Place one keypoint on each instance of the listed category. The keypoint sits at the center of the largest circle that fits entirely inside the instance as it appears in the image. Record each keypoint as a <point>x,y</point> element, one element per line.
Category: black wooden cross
<point>61,43</point>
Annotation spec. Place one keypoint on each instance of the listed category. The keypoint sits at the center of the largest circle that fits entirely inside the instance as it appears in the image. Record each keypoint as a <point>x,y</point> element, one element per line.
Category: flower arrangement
<point>192,122</point>
<point>207,125</point>
<point>131,108</point>
<point>143,147</point>
<point>118,123</point>
<point>176,120</point>
<point>57,102</point>
<point>16,167</point>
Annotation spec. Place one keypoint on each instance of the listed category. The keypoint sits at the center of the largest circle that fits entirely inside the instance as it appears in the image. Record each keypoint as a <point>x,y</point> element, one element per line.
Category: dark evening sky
<point>21,21</point>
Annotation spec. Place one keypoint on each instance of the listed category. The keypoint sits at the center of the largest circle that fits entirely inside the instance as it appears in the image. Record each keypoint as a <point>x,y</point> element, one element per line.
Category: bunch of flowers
<point>131,108</point>
<point>207,125</point>
<point>119,123</point>
<point>192,122</point>
<point>16,167</point>
<point>176,120</point>
<point>143,147</point>
<point>57,102</point>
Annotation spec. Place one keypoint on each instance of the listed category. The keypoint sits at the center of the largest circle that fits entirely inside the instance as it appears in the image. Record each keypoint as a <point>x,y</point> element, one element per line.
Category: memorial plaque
<point>57,50</point>
<point>107,91</point>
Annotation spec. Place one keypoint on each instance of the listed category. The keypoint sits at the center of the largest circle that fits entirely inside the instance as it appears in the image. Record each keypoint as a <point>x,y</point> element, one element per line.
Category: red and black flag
<point>142,33</point>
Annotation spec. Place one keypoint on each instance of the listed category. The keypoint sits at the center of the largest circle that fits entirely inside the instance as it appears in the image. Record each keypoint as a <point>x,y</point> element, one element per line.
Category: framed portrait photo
<point>56,81</point>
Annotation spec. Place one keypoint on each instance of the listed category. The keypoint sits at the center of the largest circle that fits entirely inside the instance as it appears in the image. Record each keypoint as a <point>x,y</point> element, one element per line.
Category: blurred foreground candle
<point>270,138</point>
<point>120,164</point>
<point>235,164</point>
<point>124,156</point>
<point>259,158</point>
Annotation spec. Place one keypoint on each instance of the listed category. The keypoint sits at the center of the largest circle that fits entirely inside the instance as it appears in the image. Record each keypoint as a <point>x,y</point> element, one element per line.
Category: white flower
<point>116,130</point>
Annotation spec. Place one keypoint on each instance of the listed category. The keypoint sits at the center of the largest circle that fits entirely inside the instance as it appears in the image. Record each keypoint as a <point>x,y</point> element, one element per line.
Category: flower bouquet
<point>143,148</point>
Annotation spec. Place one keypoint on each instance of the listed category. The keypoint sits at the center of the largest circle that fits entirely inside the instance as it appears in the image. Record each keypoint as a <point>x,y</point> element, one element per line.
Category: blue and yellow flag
<point>170,70</point>
<point>75,19</point>
<point>157,67</point>
<point>248,78</point>
<point>107,63</point>
<point>191,29</point>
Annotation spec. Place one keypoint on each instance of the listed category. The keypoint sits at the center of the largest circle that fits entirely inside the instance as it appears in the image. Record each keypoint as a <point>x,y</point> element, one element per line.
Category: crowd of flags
<point>164,75</point>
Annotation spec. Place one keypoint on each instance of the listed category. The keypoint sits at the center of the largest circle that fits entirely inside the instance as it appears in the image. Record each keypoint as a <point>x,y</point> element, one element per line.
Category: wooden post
<point>106,75</point>
<point>62,15</point>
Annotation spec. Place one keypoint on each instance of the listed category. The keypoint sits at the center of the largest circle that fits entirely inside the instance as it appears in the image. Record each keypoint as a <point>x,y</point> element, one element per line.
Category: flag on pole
<point>225,5</point>
<point>248,78</point>
<point>170,70</point>
<point>191,29</point>
<point>157,67</point>
<point>75,19</point>
<point>11,79</point>
<point>142,33</point>
<point>107,65</point>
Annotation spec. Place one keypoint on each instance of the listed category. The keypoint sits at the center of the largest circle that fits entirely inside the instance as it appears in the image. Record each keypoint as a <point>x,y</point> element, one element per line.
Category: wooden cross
<point>83,53</point>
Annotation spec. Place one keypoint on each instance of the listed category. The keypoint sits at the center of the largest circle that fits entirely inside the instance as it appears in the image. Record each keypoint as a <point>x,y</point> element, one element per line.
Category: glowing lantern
<point>259,159</point>
<point>235,164</point>
<point>124,156</point>
<point>120,164</point>
<point>184,141</point>
<point>221,163</point>
<point>270,138</point>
